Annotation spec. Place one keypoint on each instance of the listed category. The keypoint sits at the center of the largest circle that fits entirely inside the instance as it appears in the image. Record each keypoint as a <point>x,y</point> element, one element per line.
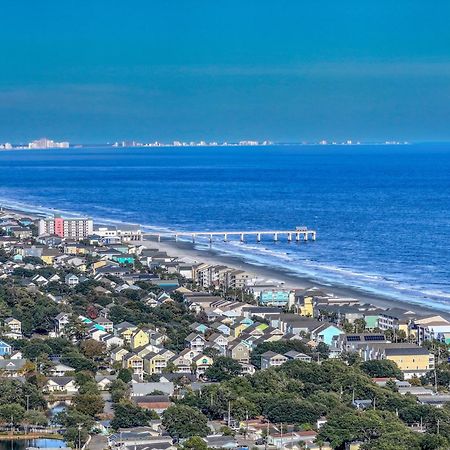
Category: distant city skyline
<point>289,71</point>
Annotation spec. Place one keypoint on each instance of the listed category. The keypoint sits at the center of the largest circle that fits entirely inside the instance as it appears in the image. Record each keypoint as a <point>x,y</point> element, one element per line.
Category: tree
<point>13,411</point>
<point>195,443</point>
<point>76,436</point>
<point>89,404</point>
<point>182,421</point>
<point>34,417</point>
<point>13,391</point>
<point>359,325</point>
<point>90,387</point>
<point>119,390</point>
<point>127,415</point>
<point>382,368</point>
<point>223,368</point>
<point>125,375</point>
<point>93,349</point>
<point>370,427</point>
<point>288,410</point>
<point>36,348</point>
<point>78,361</point>
<point>72,418</point>
<point>75,329</point>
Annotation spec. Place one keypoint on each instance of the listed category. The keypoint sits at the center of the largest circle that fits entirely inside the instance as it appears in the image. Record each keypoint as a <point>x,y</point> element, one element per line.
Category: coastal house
<point>276,297</point>
<point>239,351</point>
<point>201,363</point>
<point>219,342</point>
<point>61,385</point>
<point>61,321</point>
<point>11,367</point>
<point>5,348</point>
<point>195,342</point>
<point>105,324</point>
<point>396,319</point>
<point>326,333</point>
<point>48,255</point>
<point>139,338</point>
<point>428,328</point>
<point>272,359</point>
<point>135,363</point>
<point>355,342</point>
<point>14,326</point>
<point>298,356</point>
<point>59,370</point>
<point>155,363</point>
<point>182,363</point>
<point>110,340</point>
<point>104,381</point>
<point>412,360</point>
<point>118,354</point>
<point>71,280</point>
<point>158,403</point>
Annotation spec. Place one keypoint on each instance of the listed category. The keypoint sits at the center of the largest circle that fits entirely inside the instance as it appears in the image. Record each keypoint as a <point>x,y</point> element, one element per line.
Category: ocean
<point>381,212</point>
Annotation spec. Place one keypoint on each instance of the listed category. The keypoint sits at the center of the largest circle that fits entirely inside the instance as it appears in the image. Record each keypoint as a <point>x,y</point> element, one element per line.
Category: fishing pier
<point>299,234</point>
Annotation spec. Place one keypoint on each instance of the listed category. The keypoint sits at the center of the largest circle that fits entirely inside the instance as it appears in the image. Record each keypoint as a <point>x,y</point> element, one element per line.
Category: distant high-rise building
<point>73,228</point>
<point>47,143</point>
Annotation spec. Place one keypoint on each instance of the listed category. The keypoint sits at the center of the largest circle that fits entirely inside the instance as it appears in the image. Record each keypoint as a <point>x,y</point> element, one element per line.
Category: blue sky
<point>286,70</point>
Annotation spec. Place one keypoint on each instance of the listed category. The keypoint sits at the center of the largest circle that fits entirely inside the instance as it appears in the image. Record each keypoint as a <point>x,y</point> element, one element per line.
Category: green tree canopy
<point>182,421</point>
<point>382,368</point>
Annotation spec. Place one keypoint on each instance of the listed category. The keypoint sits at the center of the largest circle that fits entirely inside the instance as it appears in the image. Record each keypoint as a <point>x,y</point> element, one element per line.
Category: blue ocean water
<point>382,213</point>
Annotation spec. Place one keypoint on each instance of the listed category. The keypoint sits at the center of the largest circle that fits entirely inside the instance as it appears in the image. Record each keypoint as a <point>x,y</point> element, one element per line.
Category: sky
<point>284,70</point>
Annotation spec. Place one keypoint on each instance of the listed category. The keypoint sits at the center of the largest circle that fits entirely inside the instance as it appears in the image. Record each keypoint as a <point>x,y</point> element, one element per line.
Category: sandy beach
<point>190,254</point>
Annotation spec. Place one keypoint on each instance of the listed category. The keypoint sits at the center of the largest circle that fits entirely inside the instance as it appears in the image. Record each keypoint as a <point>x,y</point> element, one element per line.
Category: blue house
<point>326,333</point>
<point>5,349</point>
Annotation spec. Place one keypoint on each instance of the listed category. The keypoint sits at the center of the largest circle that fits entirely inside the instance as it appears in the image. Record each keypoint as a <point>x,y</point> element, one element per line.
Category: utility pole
<point>28,408</point>
<point>229,413</point>
<point>281,432</point>
<point>246,423</point>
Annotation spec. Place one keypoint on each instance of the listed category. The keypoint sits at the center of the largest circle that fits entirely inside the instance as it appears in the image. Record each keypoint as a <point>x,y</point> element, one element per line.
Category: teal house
<point>124,259</point>
<point>278,298</point>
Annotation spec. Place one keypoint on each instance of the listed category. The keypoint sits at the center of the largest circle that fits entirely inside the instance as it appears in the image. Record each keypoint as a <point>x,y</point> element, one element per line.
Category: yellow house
<point>49,255</point>
<point>138,339</point>
<point>135,363</point>
<point>307,309</point>
<point>354,446</point>
<point>237,329</point>
<point>117,355</point>
<point>410,359</point>
<point>97,264</point>
<point>126,333</point>
<point>154,363</point>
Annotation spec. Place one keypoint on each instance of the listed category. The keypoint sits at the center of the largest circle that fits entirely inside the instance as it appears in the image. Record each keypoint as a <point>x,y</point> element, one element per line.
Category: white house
<point>65,385</point>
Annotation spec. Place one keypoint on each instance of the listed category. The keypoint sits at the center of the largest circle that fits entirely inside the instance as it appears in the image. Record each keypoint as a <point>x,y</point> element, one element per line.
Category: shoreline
<point>187,252</point>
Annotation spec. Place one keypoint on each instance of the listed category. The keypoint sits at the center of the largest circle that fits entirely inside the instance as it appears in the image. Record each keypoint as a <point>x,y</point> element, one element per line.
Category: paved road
<point>108,410</point>
<point>98,442</point>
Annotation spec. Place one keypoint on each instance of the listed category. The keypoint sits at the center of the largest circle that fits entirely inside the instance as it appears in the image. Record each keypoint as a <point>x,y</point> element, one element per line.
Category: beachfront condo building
<point>73,228</point>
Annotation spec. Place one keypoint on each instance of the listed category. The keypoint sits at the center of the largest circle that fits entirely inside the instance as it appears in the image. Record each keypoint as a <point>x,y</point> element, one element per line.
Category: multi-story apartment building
<point>73,228</point>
